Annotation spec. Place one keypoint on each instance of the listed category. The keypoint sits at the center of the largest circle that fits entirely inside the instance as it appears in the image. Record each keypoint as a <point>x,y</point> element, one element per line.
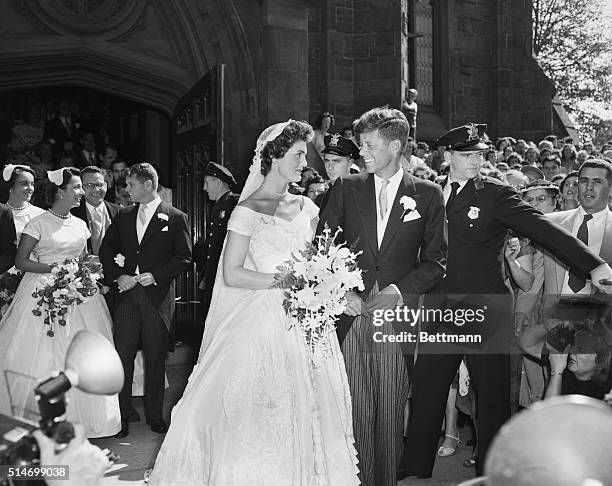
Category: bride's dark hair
<point>277,148</point>
<point>52,190</point>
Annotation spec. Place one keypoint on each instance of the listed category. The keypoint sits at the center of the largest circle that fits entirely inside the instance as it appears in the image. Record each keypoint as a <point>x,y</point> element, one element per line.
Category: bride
<point>255,410</point>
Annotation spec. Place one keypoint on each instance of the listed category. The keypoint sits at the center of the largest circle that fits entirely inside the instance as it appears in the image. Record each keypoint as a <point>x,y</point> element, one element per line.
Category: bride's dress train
<point>255,410</point>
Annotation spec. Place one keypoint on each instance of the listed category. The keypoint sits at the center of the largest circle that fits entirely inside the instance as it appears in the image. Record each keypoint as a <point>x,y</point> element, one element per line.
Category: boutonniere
<point>119,260</point>
<point>162,216</point>
<point>473,213</point>
<point>222,214</point>
<point>408,203</point>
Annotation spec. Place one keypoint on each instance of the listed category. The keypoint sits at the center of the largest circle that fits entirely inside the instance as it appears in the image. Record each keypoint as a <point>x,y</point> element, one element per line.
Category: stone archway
<point>148,51</point>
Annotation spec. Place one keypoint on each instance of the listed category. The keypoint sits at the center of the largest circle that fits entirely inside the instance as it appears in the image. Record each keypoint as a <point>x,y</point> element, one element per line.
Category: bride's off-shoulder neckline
<point>277,217</point>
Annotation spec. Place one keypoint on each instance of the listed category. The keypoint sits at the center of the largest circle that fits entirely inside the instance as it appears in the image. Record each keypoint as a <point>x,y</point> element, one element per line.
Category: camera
<point>50,395</point>
<point>93,366</point>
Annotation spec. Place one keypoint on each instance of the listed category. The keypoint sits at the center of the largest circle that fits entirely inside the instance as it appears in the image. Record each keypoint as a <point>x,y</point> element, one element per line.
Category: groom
<point>398,222</point>
<point>145,248</point>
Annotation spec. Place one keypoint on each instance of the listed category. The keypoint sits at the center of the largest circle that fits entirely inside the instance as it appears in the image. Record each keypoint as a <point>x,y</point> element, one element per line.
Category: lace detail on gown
<point>255,411</point>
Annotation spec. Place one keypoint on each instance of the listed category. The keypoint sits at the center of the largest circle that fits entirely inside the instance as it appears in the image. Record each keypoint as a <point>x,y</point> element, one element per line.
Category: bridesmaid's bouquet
<point>9,281</point>
<point>315,284</point>
<point>70,283</point>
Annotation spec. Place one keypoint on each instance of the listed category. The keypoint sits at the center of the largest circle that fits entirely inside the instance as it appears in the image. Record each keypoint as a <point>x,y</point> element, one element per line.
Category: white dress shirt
<point>596,227</point>
<point>99,214</point>
<point>149,209</point>
<point>98,217</point>
<point>381,224</point>
<point>394,182</point>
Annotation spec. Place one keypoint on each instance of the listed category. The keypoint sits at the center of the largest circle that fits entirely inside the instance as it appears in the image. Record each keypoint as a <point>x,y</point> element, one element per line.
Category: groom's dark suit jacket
<point>165,251</point>
<point>412,254</point>
<point>7,240</point>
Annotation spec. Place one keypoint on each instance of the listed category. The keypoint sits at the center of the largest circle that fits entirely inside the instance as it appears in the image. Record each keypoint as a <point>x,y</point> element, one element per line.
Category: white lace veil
<point>255,177</point>
<point>224,298</point>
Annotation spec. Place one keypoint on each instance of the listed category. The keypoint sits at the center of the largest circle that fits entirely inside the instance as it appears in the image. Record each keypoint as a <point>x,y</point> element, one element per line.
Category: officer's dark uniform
<point>344,147</point>
<point>478,220</point>
<point>209,248</point>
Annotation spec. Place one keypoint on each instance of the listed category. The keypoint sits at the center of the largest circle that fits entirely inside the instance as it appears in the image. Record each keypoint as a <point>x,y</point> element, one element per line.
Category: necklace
<point>14,208</point>
<point>67,216</point>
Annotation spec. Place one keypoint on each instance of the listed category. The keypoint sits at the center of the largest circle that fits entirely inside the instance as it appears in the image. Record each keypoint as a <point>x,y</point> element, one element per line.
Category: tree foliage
<point>572,41</point>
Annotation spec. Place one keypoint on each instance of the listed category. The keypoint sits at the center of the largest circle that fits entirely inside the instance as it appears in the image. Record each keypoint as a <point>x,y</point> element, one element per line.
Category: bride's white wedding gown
<point>255,410</point>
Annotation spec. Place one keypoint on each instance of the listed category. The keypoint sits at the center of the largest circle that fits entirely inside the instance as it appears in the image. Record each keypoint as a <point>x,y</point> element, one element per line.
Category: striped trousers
<point>136,320</point>
<point>379,382</point>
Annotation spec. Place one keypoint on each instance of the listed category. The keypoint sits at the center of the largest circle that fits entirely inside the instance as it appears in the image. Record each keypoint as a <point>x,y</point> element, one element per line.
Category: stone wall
<point>356,60</point>
<point>493,75</point>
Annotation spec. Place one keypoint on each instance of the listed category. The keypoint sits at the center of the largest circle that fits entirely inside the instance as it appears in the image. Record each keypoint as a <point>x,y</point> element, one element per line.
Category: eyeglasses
<point>94,185</point>
<point>538,199</point>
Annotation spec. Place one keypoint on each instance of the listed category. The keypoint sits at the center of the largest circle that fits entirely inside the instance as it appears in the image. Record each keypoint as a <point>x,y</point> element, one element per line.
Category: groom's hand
<point>126,282</point>
<point>355,306</point>
<point>145,279</point>
<point>386,299</point>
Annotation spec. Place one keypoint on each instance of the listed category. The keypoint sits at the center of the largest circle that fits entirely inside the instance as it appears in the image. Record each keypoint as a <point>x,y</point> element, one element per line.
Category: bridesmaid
<point>19,179</point>
<point>20,182</point>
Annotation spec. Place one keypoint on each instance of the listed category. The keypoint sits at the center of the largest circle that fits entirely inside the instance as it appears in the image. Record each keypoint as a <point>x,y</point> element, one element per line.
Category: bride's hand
<point>355,305</point>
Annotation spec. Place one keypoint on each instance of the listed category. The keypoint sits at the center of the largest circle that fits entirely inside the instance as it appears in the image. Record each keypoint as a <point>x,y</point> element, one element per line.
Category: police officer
<point>479,212</point>
<point>339,156</point>
<point>218,184</point>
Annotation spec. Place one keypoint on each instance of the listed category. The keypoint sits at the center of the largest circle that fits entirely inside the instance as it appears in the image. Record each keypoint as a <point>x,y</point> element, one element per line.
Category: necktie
<point>96,231</point>
<point>453,194</point>
<point>575,282</point>
<point>382,198</point>
<point>91,159</point>
<point>142,216</point>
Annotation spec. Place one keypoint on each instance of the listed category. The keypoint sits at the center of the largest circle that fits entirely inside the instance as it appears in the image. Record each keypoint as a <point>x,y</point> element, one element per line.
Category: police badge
<point>334,140</point>
<point>472,132</point>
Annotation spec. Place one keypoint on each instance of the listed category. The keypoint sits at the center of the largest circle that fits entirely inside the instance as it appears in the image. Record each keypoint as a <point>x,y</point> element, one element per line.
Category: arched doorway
<point>181,146</point>
<point>158,55</point>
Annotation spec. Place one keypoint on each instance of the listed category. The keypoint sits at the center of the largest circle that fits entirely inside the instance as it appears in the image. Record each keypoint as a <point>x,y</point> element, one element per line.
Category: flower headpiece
<point>56,176</point>
<point>7,172</point>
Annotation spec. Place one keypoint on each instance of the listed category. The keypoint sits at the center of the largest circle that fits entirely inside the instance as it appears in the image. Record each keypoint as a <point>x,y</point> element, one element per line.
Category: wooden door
<point>197,131</point>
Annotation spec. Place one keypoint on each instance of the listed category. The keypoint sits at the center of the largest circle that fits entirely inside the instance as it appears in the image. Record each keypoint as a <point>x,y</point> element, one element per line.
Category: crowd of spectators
<point>545,175</point>
<point>51,135</point>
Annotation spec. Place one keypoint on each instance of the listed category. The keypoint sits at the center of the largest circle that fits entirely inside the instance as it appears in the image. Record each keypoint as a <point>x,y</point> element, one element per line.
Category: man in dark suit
<point>98,215</point>
<point>87,151</point>
<point>479,211</point>
<point>145,248</point>
<point>398,223</point>
<point>94,209</point>
<point>218,184</point>
<point>7,241</point>
<point>60,129</point>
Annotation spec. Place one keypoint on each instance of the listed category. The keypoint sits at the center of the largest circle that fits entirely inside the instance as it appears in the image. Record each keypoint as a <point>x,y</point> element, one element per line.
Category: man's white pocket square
<point>165,228</point>
<point>411,216</point>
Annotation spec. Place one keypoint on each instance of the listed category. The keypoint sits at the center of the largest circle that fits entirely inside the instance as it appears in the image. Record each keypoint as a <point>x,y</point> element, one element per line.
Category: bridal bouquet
<point>315,284</point>
<point>9,281</point>
<point>70,283</point>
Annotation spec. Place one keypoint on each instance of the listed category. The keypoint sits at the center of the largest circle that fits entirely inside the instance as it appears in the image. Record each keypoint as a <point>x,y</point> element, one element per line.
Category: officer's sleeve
<point>514,213</point>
